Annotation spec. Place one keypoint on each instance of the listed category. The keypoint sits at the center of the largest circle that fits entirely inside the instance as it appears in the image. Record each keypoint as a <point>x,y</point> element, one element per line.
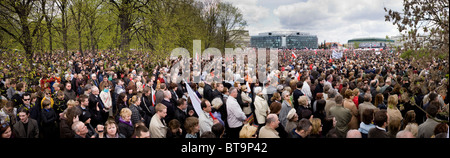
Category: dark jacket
<point>98,117</point>
<point>135,113</point>
<point>207,92</point>
<point>181,116</point>
<point>377,133</point>
<point>31,132</point>
<point>170,110</point>
<point>65,130</point>
<point>125,129</point>
<point>148,109</point>
<point>294,134</point>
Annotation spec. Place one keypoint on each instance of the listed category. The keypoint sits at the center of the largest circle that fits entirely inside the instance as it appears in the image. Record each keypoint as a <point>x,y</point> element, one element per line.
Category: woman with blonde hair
<point>248,131</point>
<point>316,131</point>
<point>136,109</point>
<point>392,111</point>
<point>125,126</point>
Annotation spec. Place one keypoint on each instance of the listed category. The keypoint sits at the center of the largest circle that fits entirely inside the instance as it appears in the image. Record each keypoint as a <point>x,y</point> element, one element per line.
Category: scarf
<point>123,121</point>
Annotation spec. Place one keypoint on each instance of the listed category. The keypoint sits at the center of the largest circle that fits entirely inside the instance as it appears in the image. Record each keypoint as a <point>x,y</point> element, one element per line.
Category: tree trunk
<point>124,30</point>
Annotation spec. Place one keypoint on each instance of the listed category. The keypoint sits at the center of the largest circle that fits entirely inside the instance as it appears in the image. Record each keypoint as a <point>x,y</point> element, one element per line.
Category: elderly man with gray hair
<point>235,115</point>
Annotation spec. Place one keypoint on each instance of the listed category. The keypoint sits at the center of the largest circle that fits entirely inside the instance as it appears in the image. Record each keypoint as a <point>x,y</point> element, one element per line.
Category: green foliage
<point>154,26</point>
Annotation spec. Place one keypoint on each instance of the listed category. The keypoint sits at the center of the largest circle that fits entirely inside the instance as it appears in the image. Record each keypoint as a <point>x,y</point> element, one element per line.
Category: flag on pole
<point>293,55</point>
<point>195,100</point>
<point>153,96</point>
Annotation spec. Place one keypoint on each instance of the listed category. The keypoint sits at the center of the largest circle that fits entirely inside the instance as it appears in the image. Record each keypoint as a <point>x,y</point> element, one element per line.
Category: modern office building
<point>284,40</point>
<point>369,42</point>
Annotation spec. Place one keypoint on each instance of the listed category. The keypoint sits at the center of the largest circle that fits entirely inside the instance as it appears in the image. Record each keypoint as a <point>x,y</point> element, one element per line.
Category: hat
<point>291,113</point>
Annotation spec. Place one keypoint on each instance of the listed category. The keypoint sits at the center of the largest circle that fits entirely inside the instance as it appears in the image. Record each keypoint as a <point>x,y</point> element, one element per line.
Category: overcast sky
<point>330,20</point>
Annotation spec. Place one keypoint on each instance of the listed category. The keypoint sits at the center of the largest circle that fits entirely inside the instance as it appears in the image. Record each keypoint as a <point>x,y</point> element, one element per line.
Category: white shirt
<point>235,115</point>
<point>205,123</point>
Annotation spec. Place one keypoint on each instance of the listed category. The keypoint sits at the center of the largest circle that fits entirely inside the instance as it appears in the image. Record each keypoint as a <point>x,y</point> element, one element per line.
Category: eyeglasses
<point>26,99</point>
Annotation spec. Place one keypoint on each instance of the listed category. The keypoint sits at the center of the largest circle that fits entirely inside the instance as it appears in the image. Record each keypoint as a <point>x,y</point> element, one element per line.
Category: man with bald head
<point>353,134</point>
<point>268,131</point>
<point>404,134</point>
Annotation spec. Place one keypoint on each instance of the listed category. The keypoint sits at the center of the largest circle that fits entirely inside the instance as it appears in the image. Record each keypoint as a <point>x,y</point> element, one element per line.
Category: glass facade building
<point>284,40</point>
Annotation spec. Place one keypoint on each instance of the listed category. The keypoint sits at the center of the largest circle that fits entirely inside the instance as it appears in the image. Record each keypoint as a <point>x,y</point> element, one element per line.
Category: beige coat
<point>267,132</point>
<point>157,128</point>
<point>354,123</point>
<point>261,109</point>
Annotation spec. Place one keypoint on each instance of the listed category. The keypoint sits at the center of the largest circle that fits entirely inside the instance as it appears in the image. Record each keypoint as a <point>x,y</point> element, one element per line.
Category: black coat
<point>125,129</point>
<point>377,133</point>
<point>181,116</point>
<point>207,92</point>
<point>98,117</point>
<point>170,110</point>
<point>49,123</point>
<point>148,109</point>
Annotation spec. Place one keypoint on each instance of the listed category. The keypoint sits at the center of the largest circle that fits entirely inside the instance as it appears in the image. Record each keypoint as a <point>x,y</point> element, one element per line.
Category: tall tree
<point>76,9</point>
<point>424,26</point>
<point>127,19</point>
<point>63,5</point>
<point>231,25</point>
<point>15,17</point>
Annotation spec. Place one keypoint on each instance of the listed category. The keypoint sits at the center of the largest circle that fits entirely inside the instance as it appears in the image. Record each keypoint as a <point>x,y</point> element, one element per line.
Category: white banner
<point>336,55</point>
<point>195,101</point>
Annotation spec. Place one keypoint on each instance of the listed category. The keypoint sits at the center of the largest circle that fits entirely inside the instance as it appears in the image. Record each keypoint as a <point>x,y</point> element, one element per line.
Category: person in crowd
<point>235,114</point>
<point>268,131</point>
<point>261,107</point>
<point>303,129</point>
<point>26,127</point>
<point>380,120</point>
<point>366,123</point>
<point>343,116</point>
<point>6,131</point>
<point>207,121</point>
<point>192,127</point>
<point>316,131</point>
<point>286,106</point>
<point>158,128</point>
<point>174,129</point>
<point>125,124</point>
<point>349,104</point>
<point>426,129</point>
<point>141,131</point>
<point>111,130</point>
<point>353,133</point>
<point>292,120</point>
<point>49,128</point>
<point>136,110</point>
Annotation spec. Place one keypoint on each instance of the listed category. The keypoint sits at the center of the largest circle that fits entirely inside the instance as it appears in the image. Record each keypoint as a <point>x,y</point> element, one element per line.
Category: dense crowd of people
<point>311,95</point>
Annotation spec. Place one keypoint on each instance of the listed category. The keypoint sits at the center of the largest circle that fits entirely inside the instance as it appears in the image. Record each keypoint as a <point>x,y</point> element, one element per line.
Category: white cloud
<point>252,12</point>
<point>339,21</point>
<point>330,20</point>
